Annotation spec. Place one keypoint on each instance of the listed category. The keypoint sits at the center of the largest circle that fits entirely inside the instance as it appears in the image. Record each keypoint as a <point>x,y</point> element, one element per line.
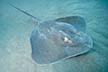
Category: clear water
<point>15,29</point>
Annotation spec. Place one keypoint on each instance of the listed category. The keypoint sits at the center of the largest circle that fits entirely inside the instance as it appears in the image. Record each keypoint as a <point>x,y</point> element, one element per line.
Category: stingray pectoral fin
<point>77,21</point>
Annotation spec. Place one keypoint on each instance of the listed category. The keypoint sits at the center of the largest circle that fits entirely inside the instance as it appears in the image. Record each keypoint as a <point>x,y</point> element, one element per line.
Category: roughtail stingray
<point>58,39</point>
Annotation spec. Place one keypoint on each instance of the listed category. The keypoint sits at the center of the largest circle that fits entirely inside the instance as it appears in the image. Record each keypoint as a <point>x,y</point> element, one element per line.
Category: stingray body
<point>58,39</point>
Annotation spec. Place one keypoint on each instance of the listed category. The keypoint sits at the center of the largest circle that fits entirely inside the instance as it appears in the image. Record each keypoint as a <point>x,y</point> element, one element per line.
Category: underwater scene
<point>53,36</point>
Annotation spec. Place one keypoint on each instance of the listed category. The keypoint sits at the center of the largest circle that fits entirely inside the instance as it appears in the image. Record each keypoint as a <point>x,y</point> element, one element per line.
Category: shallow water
<point>15,30</point>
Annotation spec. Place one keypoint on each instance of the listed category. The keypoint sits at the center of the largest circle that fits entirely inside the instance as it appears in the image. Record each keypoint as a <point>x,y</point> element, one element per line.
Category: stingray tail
<point>28,14</point>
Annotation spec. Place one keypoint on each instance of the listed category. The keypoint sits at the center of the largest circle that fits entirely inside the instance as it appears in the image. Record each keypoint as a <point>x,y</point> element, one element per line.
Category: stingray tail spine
<point>28,14</point>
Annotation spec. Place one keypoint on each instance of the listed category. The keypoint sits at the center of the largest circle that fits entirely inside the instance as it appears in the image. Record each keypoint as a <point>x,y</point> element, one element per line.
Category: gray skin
<point>58,39</point>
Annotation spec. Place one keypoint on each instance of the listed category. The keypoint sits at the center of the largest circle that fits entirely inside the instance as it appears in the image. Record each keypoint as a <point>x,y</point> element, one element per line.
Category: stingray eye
<point>67,40</point>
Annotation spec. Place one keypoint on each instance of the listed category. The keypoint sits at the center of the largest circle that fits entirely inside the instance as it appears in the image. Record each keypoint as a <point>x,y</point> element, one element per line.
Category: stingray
<point>58,39</point>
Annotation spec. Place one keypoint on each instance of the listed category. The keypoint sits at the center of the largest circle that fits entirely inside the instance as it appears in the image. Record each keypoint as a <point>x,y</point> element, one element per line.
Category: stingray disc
<point>59,39</point>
